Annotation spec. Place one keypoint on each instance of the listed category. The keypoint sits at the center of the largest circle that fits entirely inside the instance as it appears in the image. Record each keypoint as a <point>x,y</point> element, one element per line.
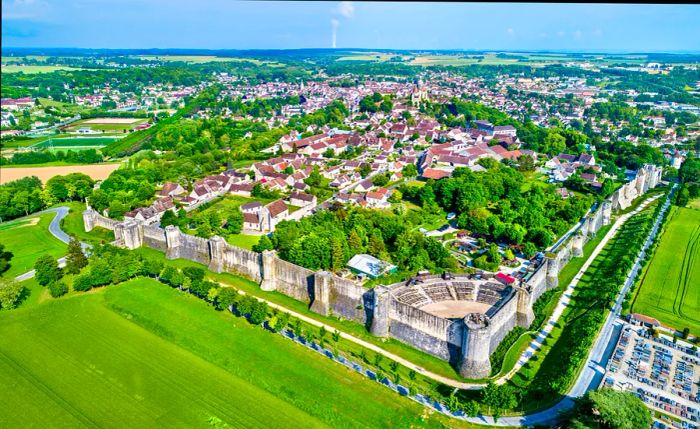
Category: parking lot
<point>663,374</point>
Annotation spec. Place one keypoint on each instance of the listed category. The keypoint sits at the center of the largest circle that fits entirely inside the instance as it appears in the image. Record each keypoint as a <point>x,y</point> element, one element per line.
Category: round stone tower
<point>476,345</point>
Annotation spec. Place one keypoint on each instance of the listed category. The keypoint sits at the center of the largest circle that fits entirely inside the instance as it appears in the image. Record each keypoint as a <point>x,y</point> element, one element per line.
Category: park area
<point>670,287</point>
<point>141,354</point>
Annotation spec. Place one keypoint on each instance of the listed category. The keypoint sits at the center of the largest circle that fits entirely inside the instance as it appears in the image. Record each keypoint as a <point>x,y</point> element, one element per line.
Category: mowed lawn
<point>28,239</point>
<point>143,355</point>
<point>670,288</point>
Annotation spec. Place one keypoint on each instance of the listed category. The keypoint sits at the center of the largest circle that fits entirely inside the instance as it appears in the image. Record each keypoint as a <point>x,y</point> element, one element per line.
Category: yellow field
<point>95,171</point>
<point>198,58</point>
<point>34,69</point>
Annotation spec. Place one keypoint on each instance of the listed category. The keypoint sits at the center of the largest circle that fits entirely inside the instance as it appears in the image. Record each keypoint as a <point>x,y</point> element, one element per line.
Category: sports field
<point>107,124</point>
<point>670,287</point>
<point>143,355</point>
<point>28,239</point>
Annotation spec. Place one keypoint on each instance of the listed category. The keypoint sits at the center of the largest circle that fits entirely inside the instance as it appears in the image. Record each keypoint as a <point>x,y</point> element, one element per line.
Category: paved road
<point>56,231</point>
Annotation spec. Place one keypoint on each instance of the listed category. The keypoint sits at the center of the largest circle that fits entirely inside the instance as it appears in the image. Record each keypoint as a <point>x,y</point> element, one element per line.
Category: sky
<point>230,24</point>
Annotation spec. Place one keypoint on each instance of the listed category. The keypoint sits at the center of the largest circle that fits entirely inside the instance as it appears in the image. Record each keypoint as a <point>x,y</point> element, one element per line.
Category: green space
<point>422,359</point>
<point>669,289</point>
<point>77,142</point>
<point>158,358</point>
<point>245,241</point>
<point>13,68</point>
<point>28,239</point>
<point>75,126</point>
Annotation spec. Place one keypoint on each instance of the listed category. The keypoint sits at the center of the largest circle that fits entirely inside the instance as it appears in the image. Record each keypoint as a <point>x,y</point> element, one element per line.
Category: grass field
<point>69,142</point>
<point>95,125</point>
<point>12,68</point>
<point>670,287</point>
<point>143,355</point>
<point>28,239</point>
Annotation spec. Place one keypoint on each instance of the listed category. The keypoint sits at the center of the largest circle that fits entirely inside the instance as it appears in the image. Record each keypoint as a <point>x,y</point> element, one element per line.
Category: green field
<point>28,239</point>
<point>70,142</point>
<point>143,355</point>
<point>35,69</point>
<point>670,287</point>
<point>115,128</point>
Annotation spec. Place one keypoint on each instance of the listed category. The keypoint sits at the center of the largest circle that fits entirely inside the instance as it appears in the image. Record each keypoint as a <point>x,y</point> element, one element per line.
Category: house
<point>377,198</point>
<point>171,189</point>
<point>274,213</point>
<point>364,186</point>
<point>251,221</point>
<point>505,279</point>
<point>504,130</point>
<point>251,208</point>
<point>242,189</point>
<point>153,213</point>
<point>586,159</point>
<point>432,173</point>
<point>302,199</point>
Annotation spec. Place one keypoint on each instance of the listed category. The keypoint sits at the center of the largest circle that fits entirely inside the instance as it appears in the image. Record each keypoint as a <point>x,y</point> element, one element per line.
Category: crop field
<point>28,239</point>
<point>13,68</point>
<point>95,171</point>
<point>143,355</point>
<point>670,287</point>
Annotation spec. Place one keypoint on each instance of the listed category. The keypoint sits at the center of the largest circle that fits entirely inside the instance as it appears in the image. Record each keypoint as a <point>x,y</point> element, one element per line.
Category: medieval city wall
<point>292,280</point>
<point>504,319</point>
<point>154,237</point>
<point>241,261</point>
<point>349,300</point>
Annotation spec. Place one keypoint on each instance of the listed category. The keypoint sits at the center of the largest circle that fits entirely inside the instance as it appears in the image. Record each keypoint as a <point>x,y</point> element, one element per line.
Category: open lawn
<point>245,241</point>
<point>28,239</point>
<point>74,142</point>
<point>143,355</point>
<point>95,171</point>
<point>107,124</point>
<point>73,225</point>
<point>670,287</point>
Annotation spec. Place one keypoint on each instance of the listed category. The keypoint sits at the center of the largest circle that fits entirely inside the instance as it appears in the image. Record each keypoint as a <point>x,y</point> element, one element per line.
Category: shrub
<point>57,289</point>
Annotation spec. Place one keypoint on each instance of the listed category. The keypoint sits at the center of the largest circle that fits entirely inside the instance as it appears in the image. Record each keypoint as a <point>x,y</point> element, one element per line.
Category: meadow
<point>74,142</point>
<point>141,354</point>
<point>106,125</point>
<point>670,287</point>
<point>28,239</point>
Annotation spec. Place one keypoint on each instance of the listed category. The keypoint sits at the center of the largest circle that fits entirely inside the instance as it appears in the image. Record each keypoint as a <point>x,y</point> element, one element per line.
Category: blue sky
<point>221,24</point>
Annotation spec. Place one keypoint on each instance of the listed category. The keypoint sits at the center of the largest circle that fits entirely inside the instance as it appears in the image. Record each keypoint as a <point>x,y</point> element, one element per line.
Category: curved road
<point>56,231</point>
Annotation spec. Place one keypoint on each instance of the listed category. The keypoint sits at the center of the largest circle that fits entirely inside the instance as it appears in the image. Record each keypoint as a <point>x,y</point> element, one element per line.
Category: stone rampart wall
<point>154,237</point>
<point>293,280</point>
<point>243,262</point>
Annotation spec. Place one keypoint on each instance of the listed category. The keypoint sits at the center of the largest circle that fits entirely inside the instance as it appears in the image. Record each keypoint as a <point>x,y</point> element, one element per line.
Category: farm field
<point>126,354</point>
<point>13,68</point>
<point>95,171</point>
<point>670,287</point>
<point>28,239</point>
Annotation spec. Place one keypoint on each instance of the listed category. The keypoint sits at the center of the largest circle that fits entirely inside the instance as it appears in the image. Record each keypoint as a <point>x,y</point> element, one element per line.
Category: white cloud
<point>510,31</point>
<point>346,8</point>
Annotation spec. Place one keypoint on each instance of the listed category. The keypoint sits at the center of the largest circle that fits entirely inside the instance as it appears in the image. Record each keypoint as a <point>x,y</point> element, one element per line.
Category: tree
<point>258,312</point>
<point>10,294</point>
<point>47,270</point>
<point>75,260</point>
<point>5,257</point>
<point>364,170</point>
<point>409,170</point>
<point>263,244</point>
<point>227,297</point>
<point>58,289</point>
<point>169,218</point>
<point>234,222</point>
<point>608,408</point>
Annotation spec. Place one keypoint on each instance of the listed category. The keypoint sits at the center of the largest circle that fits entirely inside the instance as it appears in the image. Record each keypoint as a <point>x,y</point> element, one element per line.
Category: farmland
<point>95,171</point>
<point>125,355</point>
<point>13,68</point>
<point>670,288</point>
<point>28,239</point>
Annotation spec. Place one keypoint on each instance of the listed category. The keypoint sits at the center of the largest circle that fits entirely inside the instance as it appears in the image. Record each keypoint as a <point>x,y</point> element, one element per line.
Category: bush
<point>57,289</point>
<point>82,283</point>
